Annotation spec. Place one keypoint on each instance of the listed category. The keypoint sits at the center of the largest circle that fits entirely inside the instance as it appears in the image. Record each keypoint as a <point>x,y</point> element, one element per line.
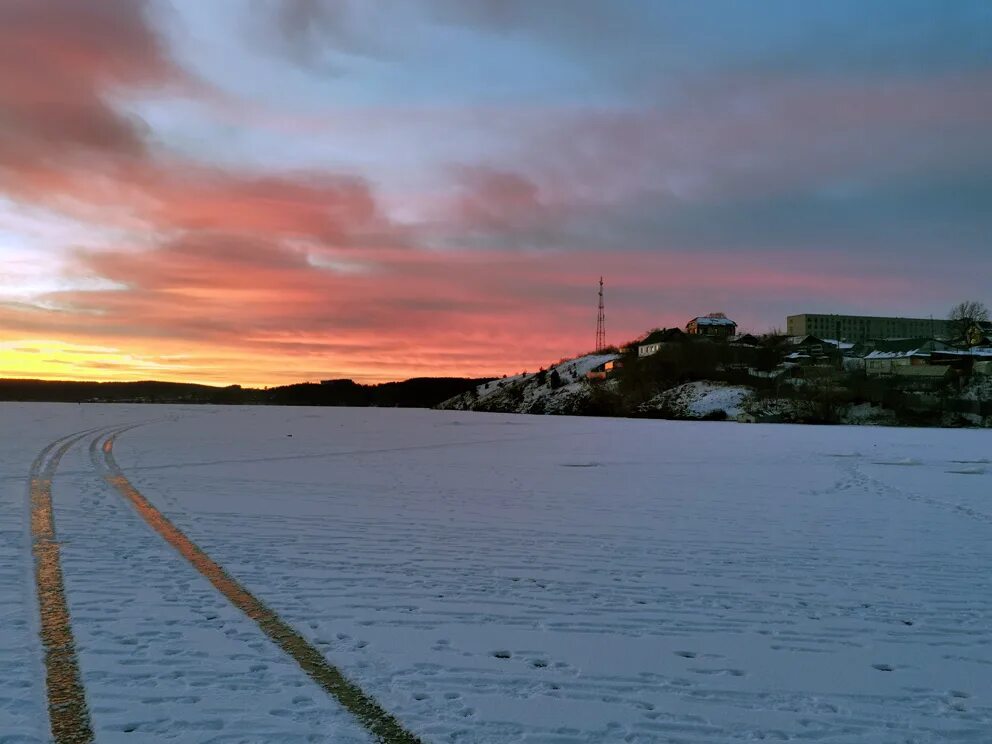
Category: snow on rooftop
<point>897,354</point>
<point>842,345</point>
<point>708,320</point>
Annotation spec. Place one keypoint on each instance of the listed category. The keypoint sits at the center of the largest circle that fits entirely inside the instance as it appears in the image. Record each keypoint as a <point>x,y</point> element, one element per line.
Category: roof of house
<point>745,338</point>
<point>898,354</point>
<point>662,335</point>
<point>802,340</point>
<point>907,344</point>
<point>713,320</point>
<point>974,351</point>
<point>923,345</point>
<point>842,345</point>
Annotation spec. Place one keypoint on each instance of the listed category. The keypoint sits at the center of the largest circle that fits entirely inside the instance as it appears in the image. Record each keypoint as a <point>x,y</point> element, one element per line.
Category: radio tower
<point>601,321</point>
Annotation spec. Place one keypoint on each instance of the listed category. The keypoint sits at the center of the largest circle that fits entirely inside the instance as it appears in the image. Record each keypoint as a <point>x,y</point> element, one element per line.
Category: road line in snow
<point>364,707</point>
<point>67,711</point>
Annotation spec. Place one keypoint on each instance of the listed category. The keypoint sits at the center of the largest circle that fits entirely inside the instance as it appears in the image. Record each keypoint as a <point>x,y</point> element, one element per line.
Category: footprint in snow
<point>731,672</point>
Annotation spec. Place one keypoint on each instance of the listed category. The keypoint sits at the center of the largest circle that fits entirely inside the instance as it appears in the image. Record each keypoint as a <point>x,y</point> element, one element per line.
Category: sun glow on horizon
<point>55,360</point>
<point>52,359</point>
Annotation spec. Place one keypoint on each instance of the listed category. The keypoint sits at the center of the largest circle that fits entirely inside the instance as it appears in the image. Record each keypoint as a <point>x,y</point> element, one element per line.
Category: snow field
<point>493,578</point>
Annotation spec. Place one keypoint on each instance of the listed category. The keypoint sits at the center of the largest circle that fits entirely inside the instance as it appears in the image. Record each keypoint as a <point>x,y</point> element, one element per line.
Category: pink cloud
<point>59,60</point>
<point>273,315</point>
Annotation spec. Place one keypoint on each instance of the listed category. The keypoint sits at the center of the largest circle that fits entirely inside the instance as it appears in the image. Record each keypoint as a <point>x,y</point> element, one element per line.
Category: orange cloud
<point>259,315</point>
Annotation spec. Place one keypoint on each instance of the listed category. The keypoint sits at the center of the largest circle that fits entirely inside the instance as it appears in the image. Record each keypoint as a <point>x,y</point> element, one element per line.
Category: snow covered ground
<point>508,578</point>
<point>535,392</point>
<point>701,399</point>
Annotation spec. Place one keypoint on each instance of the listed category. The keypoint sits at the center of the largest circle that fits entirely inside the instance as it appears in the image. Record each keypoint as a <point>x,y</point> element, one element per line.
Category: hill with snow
<point>561,389</point>
<point>566,389</point>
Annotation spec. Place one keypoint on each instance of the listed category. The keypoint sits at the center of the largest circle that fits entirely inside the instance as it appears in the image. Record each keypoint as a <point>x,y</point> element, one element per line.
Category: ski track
<point>819,584</point>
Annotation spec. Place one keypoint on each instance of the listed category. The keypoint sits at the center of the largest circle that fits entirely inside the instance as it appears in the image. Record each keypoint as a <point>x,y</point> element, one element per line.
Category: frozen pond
<point>499,578</point>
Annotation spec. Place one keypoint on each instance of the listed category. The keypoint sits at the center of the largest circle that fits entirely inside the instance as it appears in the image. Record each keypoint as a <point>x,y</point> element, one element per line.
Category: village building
<point>886,356</point>
<point>810,345</point>
<point>883,363</point>
<point>962,360</point>
<point>745,339</point>
<point>714,325</point>
<point>604,370</point>
<point>596,373</point>
<point>863,348</point>
<point>658,338</point>
<point>612,366</point>
<point>923,377</point>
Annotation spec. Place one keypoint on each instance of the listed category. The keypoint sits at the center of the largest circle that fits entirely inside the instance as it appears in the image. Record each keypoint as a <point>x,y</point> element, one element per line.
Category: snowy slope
<point>529,393</point>
<point>701,399</point>
<point>716,400</point>
<point>493,578</point>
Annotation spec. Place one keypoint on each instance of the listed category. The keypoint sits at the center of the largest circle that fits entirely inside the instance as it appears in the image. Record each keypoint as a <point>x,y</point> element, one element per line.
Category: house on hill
<point>714,325</point>
<point>926,343</point>
<point>809,345</point>
<point>658,338</point>
<point>963,360</point>
<point>923,377</point>
<point>605,370</point>
<point>596,373</point>
<point>889,355</point>
<point>745,339</point>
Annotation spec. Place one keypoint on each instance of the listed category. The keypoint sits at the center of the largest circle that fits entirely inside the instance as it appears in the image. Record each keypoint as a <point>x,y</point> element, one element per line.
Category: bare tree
<point>966,314</point>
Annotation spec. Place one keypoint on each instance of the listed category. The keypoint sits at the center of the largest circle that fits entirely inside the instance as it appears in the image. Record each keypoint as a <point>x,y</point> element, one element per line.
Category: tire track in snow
<point>67,710</point>
<point>361,705</point>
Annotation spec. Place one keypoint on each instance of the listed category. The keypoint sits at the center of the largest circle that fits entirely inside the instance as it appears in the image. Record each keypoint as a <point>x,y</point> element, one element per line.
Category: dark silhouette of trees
<point>966,314</point>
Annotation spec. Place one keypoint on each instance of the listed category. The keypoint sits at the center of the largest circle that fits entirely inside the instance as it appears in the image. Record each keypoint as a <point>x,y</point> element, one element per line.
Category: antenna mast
<point>601,321</point>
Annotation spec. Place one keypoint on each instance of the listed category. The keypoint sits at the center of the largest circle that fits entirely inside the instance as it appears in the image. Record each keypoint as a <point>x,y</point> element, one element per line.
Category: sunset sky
<point>261,192</point>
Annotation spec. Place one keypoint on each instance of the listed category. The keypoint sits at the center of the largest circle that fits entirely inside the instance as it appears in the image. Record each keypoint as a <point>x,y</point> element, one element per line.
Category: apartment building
<point>864,327</point>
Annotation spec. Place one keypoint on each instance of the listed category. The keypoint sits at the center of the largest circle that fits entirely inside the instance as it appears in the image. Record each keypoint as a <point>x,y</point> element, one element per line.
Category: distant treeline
<point>420,392</point>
